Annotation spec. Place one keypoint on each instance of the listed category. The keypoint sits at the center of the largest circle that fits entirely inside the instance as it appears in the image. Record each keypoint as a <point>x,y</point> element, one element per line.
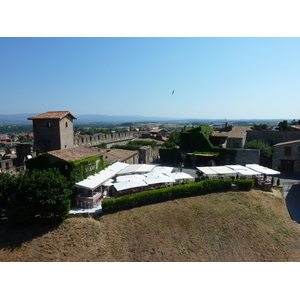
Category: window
<point>288,151</point>
<point>66,124</point>
<point>48,124</point>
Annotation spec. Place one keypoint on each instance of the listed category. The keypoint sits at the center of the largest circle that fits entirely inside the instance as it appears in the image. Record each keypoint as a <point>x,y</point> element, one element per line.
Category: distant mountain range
<point>18,119</point>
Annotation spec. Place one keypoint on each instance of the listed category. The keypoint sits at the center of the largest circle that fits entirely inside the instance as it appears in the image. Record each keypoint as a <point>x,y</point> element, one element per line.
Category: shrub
<point>165,194</point>
<point>245,184</point>
<point>39,196</point>
<point>8,185</point>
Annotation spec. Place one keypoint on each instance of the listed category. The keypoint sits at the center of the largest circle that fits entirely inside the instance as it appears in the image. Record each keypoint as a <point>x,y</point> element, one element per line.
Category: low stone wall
<point>247,156</point>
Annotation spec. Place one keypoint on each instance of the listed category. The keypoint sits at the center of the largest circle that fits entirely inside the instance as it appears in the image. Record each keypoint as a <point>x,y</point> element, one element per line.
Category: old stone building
<point>286,157</point>
<point>230,136</point>
<point>52,130</point>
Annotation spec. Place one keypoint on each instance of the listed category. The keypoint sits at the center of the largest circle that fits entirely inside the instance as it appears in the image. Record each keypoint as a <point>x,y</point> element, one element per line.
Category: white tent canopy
<point>243,170</point>
<point>219,170</point>
<point>180,175</point>
<point>117,167</point>
<point>153,178</point>
<point>94,181</point>
<point>207,170</point>
<point>137,168</point>
<point>262,169</point>
<point>164,170</point>
<point>130,177</point>
<point>101,178</point>
<point>129,184</point>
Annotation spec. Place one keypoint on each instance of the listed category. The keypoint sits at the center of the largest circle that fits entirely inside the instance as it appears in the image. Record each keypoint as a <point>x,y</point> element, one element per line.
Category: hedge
<point>244,184</point>
<point>165,194</point>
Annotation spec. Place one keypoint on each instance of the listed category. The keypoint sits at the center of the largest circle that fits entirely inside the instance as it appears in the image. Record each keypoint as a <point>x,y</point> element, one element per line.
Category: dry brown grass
<point>232,226</point>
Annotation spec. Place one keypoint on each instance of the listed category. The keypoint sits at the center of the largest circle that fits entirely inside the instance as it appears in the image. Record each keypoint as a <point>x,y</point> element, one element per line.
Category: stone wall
<point>247,156</point>
<point>98,139</point>
<point>272,137</point>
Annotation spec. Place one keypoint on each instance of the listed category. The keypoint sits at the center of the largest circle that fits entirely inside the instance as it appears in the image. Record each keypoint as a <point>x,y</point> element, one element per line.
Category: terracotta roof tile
<point>235,132</point>
<point>52,115</point>
<point>78,153</point>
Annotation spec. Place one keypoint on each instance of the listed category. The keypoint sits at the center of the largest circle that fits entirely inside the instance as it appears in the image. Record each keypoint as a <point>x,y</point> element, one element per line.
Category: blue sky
<point>217,77</point>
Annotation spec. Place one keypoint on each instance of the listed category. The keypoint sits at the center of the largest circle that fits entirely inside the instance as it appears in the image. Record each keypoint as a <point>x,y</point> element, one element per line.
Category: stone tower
<point>52,130</point>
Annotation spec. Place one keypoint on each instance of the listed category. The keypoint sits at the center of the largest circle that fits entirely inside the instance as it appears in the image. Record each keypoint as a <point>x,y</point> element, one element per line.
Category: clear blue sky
<point>217,78</point>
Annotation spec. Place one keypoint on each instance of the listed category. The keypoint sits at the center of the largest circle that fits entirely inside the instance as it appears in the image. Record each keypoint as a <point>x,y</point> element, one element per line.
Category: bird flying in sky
<point>173,92</point>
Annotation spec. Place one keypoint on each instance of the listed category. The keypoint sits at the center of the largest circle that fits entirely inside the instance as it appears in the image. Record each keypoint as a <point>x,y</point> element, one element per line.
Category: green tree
<point>266,150</point>
<point>40,195</point>
<point>283,126</point>
<point>174,137</point>
<point>169,144</point>
<point>8,185</point>
<point>259,126</point>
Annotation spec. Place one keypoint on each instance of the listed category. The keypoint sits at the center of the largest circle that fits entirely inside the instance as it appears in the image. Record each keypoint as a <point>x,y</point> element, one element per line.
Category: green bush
<point>8,185</point>
<point>244,184</point>
<point>39,196</point>
<point>165,194</point>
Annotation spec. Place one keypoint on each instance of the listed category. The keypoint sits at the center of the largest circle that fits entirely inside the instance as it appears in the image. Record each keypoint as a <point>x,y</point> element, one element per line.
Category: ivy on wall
<point>74,171</point>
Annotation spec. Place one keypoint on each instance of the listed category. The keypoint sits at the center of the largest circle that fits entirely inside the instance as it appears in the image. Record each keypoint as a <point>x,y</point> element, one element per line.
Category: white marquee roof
<point>137,168</point>
<point>219,170</point>
<point>262,169</point>
<point>243,170</point>
<point>92,182</point>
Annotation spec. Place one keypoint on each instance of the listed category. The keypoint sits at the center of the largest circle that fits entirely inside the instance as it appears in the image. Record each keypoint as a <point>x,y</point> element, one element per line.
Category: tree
<point>266,150</point>
<point>174,137</point>
<point>39,195</point>
<point>283,126</point>
<point>294,122</point>
<point>8,185</point>
<point>259,126</point>
<point>169,145</point>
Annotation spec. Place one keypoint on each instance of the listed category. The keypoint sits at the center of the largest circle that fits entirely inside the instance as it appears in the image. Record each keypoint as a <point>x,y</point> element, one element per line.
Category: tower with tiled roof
<point>52,130</point>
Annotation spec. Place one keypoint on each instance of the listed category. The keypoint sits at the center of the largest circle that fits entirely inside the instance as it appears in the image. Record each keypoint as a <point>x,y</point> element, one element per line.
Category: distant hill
<point>240,226</point>
<point>17,119</point>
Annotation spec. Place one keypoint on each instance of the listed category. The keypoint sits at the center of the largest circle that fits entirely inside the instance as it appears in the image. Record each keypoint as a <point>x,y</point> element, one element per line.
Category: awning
<point>101,178</point>
<point>125,185</point>
<point>153,178</point>
<point>180,175</point>
<point>243,170</point>
<point>94,181</point>
<point>164,170</point>
<point>137,168</point>
<point>207,170</point>
<point>117,167</point>
<point>218,170</point>
<point>262,169</point>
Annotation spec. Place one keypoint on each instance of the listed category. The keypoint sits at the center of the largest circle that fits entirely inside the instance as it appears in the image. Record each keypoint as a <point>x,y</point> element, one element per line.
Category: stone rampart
<point>98,139</point>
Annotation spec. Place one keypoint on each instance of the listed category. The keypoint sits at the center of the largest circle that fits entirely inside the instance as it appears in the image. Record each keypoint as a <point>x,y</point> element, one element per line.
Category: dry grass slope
<point>232,226</point>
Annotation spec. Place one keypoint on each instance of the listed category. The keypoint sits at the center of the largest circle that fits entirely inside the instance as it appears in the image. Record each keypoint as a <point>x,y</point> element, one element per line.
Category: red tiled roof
<point>52,115</point>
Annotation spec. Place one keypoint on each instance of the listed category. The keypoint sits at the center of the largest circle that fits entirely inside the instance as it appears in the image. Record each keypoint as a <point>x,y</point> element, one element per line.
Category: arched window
<point>48,124</point>
<point>66,124</point>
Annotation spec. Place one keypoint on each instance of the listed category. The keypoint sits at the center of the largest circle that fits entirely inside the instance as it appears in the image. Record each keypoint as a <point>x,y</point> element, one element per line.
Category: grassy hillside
<point>232,226</point>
